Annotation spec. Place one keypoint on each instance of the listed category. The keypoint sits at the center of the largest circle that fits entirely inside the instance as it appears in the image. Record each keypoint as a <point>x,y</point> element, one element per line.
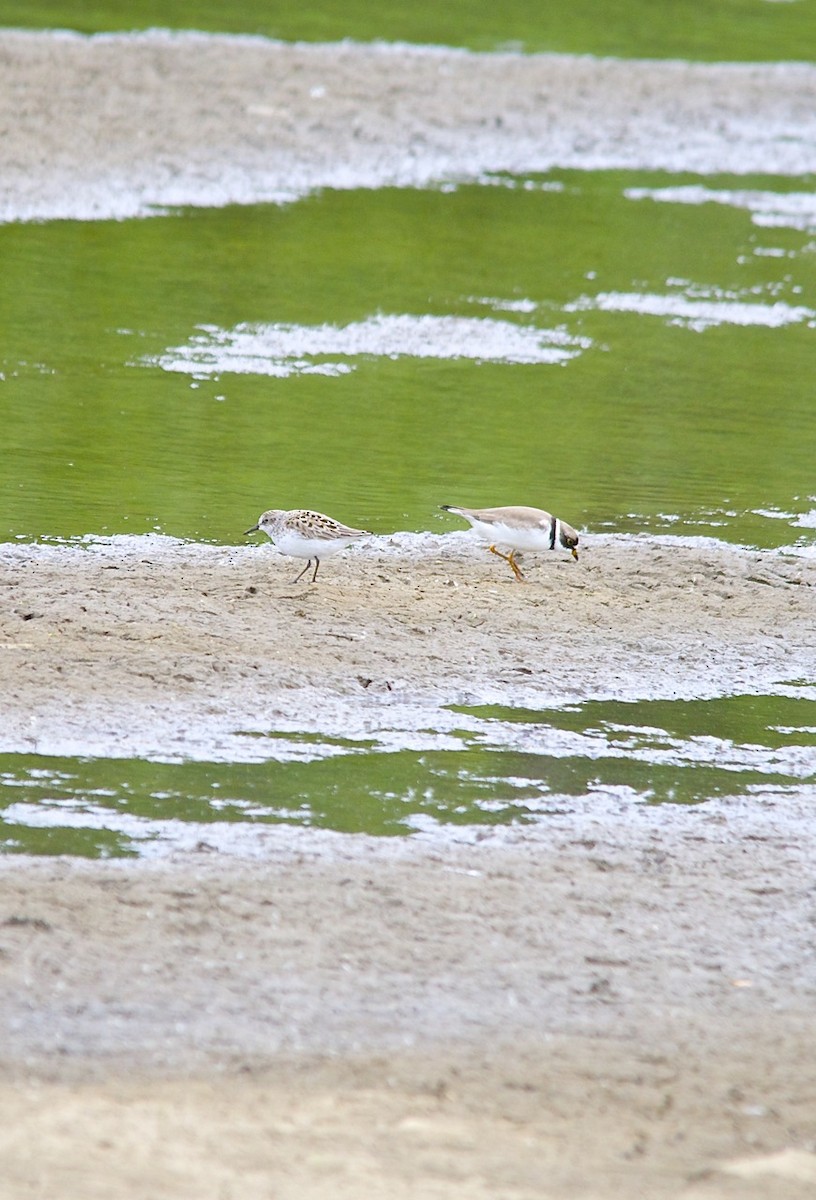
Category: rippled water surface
<point>511,766</point>
<point>633,352</point>
<point>739,29</point>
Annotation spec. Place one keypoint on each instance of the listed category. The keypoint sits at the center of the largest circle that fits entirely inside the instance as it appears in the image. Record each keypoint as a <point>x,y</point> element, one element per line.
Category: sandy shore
<point>617,1003</point>
<point>172,650</point>
<point>624,1013</point>
<point>185,119</point>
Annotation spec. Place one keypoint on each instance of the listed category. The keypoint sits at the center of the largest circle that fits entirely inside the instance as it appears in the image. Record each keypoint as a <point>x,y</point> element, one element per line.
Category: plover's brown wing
<point>513,516</point>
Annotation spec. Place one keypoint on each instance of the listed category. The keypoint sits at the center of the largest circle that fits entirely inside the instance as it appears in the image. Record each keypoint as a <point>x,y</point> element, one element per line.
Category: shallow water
<point>739,30</point>
<point>512,766</point>
<point>629,355</point>
<point>632,350</point>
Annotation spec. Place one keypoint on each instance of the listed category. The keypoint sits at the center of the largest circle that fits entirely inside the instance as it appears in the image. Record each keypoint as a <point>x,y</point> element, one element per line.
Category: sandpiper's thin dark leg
<point>317,564</point>
<point>303,572</point>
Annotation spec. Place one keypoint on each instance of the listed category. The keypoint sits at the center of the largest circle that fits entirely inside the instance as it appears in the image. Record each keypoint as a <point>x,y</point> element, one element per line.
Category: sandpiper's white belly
<point>297,546</point>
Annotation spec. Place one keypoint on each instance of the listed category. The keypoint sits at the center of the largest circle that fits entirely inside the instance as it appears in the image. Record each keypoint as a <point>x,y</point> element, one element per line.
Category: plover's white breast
<point>520,537</point>
<point>518,528</point>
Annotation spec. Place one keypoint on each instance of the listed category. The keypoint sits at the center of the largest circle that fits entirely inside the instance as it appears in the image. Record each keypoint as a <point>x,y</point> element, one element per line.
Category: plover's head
<point>568,538</point>
<point>266,522</point>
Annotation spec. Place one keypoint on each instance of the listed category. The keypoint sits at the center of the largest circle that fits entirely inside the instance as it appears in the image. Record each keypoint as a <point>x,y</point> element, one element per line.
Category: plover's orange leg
<point>511,559</point>
<point>516,569</point>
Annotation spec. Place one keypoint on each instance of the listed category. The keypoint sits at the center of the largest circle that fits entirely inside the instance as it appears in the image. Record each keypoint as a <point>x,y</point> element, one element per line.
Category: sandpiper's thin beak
<point>254,529</point>
<point>575,554</point>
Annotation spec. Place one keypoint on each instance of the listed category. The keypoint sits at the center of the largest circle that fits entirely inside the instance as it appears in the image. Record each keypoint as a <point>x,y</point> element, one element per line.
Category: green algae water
<point>513,767</point>
<point>722,30</point>
<point>633,351</point>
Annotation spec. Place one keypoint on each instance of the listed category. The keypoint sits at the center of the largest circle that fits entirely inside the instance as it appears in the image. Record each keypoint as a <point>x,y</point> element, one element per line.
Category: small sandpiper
<point>301,533</point>
<point>520,529</point>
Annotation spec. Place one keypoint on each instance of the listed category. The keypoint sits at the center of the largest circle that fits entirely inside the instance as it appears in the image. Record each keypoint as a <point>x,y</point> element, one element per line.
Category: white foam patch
<point>514,184</point>
<point>694,313</point>
<point>281,350</point>
<point>499,305</point>
<point>152,838</point>
<point>797,550</point>
<point>806,520</point>
<point>793,210</point>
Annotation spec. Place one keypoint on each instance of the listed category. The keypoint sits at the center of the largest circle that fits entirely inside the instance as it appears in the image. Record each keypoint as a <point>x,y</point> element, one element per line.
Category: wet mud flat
<point>616,1001</point>
<point>619,1010</point>
<point>196,119</point>
<point>149,646</point>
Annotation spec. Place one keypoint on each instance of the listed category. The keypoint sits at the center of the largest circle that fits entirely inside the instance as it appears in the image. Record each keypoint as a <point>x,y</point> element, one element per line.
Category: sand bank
<point>167,649</point>
<point>118,125</point>
<point>616,1003</point>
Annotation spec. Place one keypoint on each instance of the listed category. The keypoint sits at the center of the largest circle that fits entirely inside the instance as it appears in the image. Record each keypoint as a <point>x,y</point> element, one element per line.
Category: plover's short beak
<point>575,554</point>
<point>254,529</point>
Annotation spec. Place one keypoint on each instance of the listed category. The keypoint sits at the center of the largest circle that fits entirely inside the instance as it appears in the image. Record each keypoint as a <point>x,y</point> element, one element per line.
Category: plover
<point>518,528</point>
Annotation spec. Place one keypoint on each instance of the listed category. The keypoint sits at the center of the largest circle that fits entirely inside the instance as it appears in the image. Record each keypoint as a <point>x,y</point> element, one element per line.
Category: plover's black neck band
<point>553,524</point>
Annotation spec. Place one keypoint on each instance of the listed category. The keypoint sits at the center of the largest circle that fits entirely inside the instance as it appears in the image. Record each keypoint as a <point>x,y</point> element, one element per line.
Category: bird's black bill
<point>254,529</point>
